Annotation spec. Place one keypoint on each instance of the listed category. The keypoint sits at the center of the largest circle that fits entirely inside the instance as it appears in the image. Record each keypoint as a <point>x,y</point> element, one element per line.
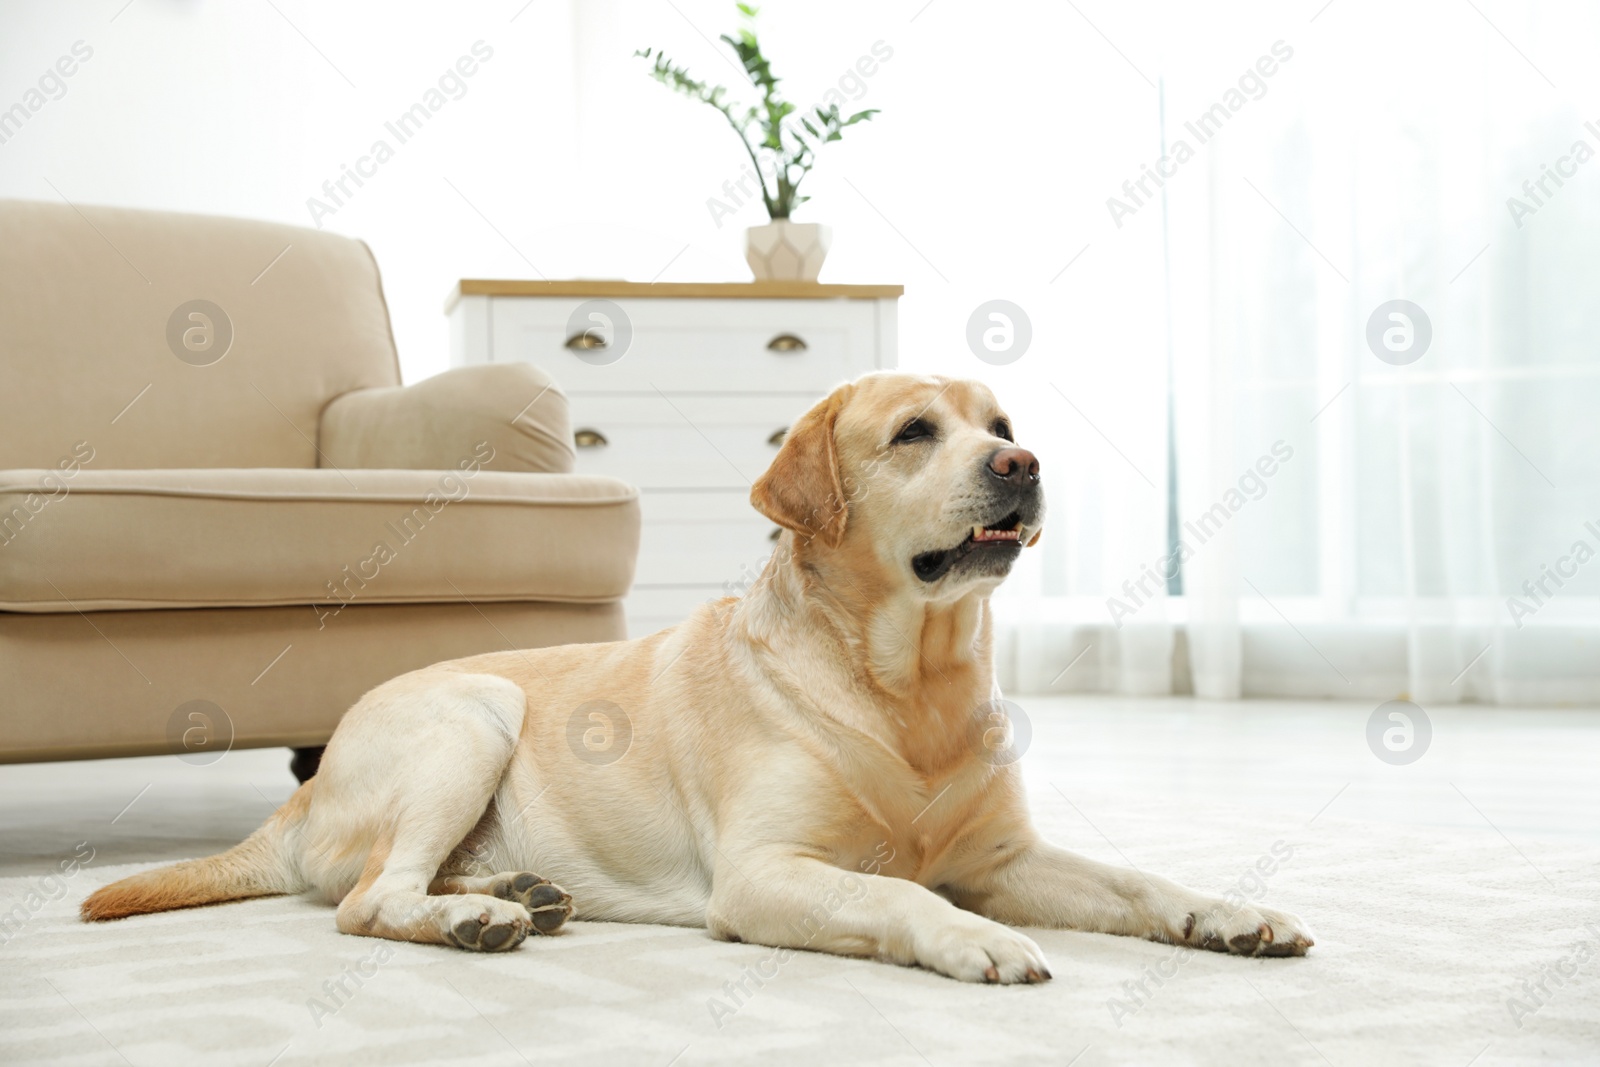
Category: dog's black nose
<point>1016,466</point>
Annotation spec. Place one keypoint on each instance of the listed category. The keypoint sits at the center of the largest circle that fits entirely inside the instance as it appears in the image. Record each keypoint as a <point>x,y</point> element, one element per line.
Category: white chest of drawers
<point>684,390</point>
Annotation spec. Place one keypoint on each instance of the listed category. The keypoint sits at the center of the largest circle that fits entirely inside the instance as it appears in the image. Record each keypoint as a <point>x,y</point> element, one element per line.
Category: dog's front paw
<point>1245,931</point>
<point>975,949</point>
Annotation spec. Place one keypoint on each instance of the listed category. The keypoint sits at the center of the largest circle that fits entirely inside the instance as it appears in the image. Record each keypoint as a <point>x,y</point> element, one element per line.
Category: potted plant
<point>782,143</point>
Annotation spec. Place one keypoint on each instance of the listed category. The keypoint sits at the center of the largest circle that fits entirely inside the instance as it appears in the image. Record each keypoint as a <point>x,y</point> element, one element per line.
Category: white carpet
<point>1423,939</point>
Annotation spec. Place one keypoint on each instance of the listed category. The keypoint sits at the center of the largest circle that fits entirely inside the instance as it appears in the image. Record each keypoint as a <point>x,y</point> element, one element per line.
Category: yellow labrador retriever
<point>809,766</point>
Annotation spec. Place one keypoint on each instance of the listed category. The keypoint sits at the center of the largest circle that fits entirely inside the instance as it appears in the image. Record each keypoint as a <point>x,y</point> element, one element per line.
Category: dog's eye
<point>1002,428</point>
<point>915,430</point>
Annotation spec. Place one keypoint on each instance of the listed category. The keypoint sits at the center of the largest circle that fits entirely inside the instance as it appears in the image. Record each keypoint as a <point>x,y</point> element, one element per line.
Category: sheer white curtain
<point>1382,558</point>
<point>1350,526</point>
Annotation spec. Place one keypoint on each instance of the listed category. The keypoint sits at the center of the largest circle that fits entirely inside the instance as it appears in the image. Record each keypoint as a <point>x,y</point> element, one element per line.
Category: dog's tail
<point>262,865</point>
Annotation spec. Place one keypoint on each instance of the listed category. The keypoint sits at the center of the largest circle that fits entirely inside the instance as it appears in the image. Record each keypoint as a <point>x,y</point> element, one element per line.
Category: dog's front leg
<point>1038,884</point>
<point>790,901</point>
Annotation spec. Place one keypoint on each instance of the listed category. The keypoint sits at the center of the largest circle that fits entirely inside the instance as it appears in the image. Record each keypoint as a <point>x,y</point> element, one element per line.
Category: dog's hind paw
<point>490,928</point>
<point>549,906</point>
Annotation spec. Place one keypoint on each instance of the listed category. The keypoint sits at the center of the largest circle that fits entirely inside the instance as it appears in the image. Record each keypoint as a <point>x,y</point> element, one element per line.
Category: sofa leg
<point>305,761</point>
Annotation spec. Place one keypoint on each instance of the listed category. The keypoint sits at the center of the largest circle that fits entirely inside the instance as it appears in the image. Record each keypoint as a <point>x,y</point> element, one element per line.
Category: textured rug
<point>1447,947</point>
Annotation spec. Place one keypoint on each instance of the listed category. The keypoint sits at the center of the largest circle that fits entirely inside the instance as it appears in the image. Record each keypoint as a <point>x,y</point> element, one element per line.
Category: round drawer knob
<point>589,439</point>
<point>786,343</point>
<point>777,437</point>
<point>777,532</point>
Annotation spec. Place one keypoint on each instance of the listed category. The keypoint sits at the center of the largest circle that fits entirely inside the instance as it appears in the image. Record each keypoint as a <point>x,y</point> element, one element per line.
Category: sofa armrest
<point>437,423</point>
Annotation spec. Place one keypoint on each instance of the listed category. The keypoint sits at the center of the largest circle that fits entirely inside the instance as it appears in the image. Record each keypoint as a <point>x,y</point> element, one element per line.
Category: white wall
<point>225,108</point>
<point>1002,131</point>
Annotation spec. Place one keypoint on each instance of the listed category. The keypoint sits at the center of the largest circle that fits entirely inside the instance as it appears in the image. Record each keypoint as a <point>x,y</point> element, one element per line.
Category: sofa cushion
<point>516,408</point>
<point>89,540</point>
<point>172,340</point>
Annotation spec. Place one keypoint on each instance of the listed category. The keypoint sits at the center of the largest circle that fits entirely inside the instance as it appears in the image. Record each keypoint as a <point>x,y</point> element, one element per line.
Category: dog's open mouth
<point>1004,536</point>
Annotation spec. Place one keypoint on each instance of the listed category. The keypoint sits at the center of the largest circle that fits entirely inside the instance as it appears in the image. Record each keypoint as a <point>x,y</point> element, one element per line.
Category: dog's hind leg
<point>459,732</point>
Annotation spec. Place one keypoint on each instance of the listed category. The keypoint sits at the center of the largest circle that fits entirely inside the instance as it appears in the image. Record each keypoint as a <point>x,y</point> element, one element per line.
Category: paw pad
<point>481,935</point>
<point>1244,944</point>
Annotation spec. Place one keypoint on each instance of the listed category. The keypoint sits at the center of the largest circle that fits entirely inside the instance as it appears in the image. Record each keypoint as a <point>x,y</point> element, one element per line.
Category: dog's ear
<point>802,491</point>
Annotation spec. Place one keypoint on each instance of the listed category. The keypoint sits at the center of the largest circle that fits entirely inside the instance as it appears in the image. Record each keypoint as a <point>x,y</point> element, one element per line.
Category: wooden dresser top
<point>600,288</point>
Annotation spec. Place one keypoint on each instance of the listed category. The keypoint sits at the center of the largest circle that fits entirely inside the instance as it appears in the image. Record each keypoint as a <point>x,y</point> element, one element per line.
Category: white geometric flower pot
<point>787,251</point>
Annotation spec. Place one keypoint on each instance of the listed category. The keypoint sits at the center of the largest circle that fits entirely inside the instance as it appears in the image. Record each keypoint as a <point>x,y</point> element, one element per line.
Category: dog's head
<point>919,478</point>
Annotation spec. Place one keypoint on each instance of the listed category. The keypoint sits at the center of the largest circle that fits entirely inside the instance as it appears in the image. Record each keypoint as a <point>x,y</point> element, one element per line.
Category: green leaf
<point>762,127</point>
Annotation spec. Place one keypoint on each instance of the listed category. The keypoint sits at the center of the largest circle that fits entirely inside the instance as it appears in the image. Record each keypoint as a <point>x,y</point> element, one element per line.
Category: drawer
<point>692,345</point>
<point>702,539</point>
<point>681,442</point>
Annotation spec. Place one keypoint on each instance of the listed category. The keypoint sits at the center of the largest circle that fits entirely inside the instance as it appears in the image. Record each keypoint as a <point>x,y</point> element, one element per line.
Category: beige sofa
<point>222,519</point>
